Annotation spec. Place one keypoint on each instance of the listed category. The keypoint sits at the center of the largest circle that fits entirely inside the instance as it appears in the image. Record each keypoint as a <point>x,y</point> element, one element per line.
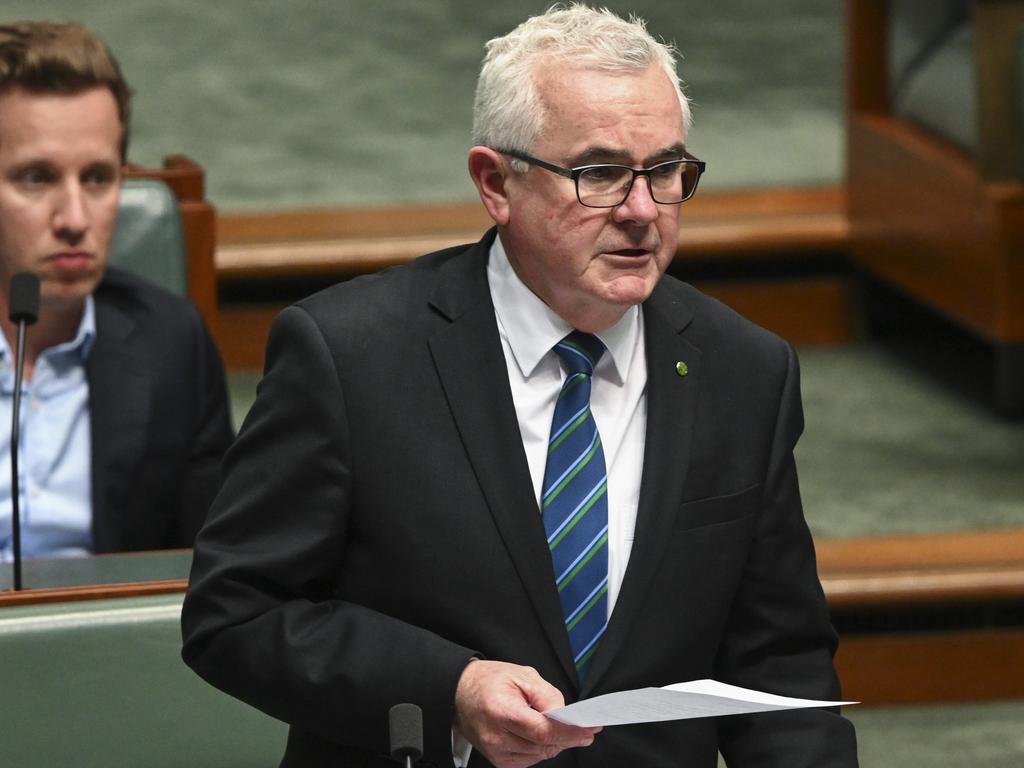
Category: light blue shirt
<point>54,449</point>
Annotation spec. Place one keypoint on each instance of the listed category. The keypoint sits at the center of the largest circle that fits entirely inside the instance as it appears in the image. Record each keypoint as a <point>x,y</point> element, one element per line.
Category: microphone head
<point>406,729</point>
<point>24,298</point>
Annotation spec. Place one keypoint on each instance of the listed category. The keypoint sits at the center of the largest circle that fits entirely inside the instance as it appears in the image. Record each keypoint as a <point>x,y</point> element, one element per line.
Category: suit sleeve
<point>779,637</point>
<point>263,619</point>
<point>211,434</point>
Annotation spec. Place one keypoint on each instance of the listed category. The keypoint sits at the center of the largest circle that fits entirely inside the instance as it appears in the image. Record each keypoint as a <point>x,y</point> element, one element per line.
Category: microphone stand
<point>19,372</point>
<point>24,310</point>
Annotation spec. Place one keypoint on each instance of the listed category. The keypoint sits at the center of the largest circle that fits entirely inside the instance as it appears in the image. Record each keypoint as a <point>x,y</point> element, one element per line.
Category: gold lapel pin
<point>682,369</point>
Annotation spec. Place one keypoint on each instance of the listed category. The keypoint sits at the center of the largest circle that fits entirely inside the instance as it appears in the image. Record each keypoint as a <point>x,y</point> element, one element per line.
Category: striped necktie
<point>574,502</point>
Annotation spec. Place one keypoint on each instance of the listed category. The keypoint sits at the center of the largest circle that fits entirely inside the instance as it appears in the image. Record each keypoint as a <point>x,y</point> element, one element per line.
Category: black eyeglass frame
<point>575,173</point>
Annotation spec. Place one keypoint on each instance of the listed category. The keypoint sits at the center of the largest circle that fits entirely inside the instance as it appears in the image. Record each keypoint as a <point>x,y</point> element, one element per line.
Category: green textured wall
<point>323,102</point>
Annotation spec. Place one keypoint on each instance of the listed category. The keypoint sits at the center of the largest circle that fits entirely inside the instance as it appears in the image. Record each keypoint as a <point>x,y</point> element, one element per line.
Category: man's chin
<point>64,295</point>
<point>627,290</point>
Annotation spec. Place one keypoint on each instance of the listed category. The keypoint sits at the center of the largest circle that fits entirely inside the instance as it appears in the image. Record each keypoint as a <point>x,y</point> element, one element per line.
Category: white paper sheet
<point>698,698</point>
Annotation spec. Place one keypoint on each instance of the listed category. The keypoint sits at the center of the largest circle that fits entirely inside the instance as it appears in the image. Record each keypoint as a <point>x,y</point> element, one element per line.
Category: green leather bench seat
<point>102,684</point>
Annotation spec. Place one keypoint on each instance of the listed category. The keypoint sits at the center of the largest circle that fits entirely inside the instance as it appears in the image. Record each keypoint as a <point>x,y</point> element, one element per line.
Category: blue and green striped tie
<point>575,502</point>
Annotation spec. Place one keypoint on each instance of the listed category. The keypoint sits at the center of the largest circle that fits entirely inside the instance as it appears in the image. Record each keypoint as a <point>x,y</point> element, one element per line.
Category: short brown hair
<point>51,57</point>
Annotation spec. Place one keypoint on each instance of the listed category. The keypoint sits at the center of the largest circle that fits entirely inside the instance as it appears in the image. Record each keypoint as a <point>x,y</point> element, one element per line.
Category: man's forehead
<point>59,123</point>
<point>596,116</point>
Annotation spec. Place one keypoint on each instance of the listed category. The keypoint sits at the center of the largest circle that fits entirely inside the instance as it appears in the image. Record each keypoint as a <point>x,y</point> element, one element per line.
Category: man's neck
<point>56,325</point>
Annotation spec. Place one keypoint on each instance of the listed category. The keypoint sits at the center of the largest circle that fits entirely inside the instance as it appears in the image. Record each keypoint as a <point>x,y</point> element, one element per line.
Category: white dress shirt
<point>529,329</point>
<point>54,449</point>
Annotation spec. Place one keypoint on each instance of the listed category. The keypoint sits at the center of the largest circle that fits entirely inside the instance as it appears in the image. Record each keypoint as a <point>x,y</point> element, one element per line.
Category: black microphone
<point>24,310</point>
<point>406,729</point>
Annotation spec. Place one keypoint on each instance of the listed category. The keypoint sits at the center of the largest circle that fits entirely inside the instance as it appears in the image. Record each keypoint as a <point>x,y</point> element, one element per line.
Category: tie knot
<point>580,352</point>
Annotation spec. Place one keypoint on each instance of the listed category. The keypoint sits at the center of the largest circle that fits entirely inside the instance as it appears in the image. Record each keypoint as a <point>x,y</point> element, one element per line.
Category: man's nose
<point>639,205</point>
<point>71,217</point>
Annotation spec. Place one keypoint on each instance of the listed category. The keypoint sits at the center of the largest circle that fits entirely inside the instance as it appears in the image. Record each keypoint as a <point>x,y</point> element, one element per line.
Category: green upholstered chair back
<point>149,240</point>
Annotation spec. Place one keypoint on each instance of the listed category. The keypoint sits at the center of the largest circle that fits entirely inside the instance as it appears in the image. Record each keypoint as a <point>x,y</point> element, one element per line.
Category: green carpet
<point>320,103</point>
<point>988,735</point>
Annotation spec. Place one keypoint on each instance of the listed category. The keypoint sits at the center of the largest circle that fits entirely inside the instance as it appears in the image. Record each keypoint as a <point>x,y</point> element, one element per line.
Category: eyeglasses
<point>608,185</point>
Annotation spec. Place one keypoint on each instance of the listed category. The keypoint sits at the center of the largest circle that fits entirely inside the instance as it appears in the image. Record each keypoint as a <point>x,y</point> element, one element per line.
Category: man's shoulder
<point>132,293</point>
<point>123,297</point>
<point>707,317</point>
<point>401,293</point>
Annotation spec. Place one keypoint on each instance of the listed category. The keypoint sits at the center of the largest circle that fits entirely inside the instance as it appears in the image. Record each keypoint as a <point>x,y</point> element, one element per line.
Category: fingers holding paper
<point>498,709</point>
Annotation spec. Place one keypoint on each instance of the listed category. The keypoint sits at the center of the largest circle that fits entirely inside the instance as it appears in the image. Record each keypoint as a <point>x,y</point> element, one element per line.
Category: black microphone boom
<point>406,730</point>
<point>24,310</point>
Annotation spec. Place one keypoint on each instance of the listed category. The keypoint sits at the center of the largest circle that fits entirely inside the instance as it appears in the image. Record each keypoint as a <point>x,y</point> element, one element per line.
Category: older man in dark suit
<point>529,470</point>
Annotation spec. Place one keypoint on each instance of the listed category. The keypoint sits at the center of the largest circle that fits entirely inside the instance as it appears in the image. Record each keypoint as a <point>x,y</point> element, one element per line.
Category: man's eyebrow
<point>30,164</point>
<point>600,154</point>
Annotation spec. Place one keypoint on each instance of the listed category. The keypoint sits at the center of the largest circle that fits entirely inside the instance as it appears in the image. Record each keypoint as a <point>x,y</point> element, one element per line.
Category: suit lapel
<point>118,412</point>
<point>471,366</point>
<point>671,401</point>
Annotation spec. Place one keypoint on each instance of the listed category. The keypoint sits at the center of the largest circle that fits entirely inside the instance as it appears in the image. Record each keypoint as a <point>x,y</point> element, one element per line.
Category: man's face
<point>590,264</point>
<point>60,173</point>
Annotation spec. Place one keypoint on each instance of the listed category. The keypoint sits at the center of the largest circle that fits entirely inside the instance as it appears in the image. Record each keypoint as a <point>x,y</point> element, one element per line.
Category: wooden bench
<point>749,228</point>
<point>922,618</point>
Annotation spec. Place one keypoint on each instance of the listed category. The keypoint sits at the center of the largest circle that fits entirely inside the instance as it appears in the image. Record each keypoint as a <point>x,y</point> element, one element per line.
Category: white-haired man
<point>529,470</point>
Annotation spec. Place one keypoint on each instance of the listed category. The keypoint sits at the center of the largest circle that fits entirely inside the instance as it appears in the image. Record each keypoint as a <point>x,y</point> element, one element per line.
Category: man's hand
<point>498,710</point>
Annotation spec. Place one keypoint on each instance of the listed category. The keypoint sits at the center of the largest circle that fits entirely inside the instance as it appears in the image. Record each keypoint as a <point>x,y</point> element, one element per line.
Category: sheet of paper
<point>698,698</point>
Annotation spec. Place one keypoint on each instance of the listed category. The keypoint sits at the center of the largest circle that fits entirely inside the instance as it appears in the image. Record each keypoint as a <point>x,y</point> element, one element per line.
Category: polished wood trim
<point>856,572</point>
<point>353,241</point>
<point>923,550</point>
<point>924,569</point>
<point>932,667</point>
<point>10,598</point>
<point>867,64</point>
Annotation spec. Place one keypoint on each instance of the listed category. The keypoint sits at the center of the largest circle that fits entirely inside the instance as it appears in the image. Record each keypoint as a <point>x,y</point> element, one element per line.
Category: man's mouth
<point>71,260</point>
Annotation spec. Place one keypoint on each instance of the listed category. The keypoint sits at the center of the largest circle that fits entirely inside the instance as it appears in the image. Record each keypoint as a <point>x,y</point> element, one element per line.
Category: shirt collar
<point>532,328</point>
<point>80,346</point>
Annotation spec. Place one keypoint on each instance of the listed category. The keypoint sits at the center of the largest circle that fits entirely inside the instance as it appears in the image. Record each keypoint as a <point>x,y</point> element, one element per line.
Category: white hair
<point>508,112</point>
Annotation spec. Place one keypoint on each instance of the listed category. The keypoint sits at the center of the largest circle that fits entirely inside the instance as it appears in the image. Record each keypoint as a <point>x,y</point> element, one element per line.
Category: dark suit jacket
<point>159,417</point>
<point>377,527</point>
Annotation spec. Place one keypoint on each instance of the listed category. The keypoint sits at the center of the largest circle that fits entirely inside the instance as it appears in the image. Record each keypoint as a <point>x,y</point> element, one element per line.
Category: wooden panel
<point>867,79</point>
<point>818,311</point>
<point>348,241</point>
<point>997,28</point>
<point>922,219</point>
<point>932,667</point>
<point>242,335</point>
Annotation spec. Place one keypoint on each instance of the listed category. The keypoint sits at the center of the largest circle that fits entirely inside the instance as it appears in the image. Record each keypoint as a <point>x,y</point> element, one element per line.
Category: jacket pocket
<point>718,509</point>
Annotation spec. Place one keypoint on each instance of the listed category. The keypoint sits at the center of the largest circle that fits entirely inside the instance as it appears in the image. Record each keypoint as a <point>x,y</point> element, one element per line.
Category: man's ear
<point>488,169</point>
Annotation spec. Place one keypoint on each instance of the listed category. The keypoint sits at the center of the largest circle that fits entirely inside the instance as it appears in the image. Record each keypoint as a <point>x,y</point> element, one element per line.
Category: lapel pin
<point>682,369</point>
